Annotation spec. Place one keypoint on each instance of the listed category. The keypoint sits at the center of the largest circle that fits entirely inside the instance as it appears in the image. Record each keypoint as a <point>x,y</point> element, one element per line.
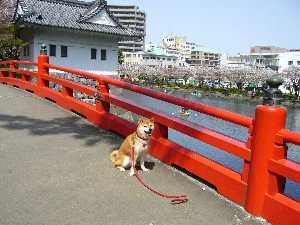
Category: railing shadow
<point>76,126</point>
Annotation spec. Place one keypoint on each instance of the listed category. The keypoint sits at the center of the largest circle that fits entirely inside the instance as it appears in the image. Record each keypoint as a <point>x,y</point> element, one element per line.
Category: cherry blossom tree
<point>212,77</point>
<point>292,80</point>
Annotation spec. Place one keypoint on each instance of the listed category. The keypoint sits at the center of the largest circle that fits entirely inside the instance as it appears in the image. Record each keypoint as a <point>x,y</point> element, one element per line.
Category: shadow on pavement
<point>76,126</point>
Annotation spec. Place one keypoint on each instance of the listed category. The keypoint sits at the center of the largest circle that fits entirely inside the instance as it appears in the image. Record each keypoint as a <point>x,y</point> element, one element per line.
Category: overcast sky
<point>229,26</point>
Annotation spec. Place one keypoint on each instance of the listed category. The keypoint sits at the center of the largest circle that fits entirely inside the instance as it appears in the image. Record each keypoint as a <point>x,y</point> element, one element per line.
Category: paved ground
<point>55,170</point>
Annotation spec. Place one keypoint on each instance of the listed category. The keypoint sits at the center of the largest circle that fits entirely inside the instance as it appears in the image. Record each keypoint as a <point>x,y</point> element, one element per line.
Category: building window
<point>93,53</point>
<point>52,50</point>
<point>26,51</point>
<point>298,63</point>
<point>103,54</point>
<point>290,63</point>
<point>64,51</point>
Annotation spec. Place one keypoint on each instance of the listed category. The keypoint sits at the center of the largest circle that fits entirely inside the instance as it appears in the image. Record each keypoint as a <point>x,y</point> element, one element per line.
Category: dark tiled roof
<point>70,15</point>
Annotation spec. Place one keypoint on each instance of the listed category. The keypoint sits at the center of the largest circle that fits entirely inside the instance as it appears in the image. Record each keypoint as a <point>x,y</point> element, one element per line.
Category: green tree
<point>120,57</point>
<point>10,41</point>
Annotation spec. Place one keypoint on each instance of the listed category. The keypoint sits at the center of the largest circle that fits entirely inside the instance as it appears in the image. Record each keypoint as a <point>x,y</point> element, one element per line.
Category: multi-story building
<point>288,59</point>
<point>180,47</point>
<point>133,18</point>
<point>232,61</point>
<point>180,44</point>
<point>133,58</point>
<point>159,57</point>
<point>276,58</point>
<point>203,56</point>
<point>267,49</point>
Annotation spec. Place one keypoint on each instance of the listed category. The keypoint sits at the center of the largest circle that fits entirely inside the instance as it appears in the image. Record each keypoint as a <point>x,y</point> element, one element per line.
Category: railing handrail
<point>202,108</point>
<point>289,136</point>
<point>214,138</point>
<point>260,186</point>
<point>6,62</point>
<point>19,62</point>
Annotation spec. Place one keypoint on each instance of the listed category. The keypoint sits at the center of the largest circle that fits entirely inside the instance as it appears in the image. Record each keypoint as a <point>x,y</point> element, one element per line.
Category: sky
<point>228,26</point>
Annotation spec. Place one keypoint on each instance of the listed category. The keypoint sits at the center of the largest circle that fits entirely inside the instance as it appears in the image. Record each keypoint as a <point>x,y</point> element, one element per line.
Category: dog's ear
<point>140,121</point>
<point>152,120</point>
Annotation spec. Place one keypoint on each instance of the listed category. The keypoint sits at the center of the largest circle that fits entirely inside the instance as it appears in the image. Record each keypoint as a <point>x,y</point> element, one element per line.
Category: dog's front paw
<point>144,169</point>
<point>132,173</point>
<point>121,169</point>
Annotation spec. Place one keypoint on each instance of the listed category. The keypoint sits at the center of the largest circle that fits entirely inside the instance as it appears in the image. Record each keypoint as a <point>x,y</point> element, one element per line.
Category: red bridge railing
<point>260,186</point>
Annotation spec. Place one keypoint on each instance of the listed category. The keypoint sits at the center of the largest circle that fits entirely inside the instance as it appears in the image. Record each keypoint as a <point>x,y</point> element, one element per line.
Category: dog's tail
<point>114,156</point>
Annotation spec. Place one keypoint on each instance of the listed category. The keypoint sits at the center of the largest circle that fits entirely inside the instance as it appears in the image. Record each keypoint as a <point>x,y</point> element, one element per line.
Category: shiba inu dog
<point>139,141</point>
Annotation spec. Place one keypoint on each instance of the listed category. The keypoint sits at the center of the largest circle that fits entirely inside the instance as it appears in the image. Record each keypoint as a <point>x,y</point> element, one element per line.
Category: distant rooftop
<point>205,49</point>
<point>267,49</point>
<point>156,51</point>
<point>70,14</point>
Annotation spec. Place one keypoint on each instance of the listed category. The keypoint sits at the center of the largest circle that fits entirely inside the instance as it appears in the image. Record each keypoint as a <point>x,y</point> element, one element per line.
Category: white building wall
<point>161,63</point>
<point>79,50</point>
<point>285,58</point>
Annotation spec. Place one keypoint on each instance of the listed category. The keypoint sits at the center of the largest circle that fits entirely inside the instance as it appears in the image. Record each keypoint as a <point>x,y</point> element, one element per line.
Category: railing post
<point>43,58</point>
<point>101,95</point>
<point>160,131</point>
<point>268,121</point>
<point>67,92</point>
<point>246,167</point>
<point>12,66</point>
<point>1,73</point>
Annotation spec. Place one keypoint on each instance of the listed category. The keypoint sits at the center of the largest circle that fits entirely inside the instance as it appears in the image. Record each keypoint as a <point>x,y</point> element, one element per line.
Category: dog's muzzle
<point>149,132</point>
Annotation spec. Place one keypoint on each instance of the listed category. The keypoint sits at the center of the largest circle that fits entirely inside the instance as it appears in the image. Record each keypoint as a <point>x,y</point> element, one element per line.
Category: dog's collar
<point>145,139</point>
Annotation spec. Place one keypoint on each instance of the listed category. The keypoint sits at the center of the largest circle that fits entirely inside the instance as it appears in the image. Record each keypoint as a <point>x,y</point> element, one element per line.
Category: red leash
<point>175,199</point>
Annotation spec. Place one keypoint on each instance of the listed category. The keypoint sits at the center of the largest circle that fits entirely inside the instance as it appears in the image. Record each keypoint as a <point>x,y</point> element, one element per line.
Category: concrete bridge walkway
<point>55,170</point>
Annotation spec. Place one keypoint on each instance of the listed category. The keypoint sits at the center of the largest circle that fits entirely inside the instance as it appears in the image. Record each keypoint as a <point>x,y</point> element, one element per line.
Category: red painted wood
<point>42,70</point>
<point>19,83</point>
<point>289,136</point>
<point>72,85</point>
<point>24,62</point>
<point>197,131</point>
<point>103,95</point>
<point>74,71</point>
<point>227,182</point>
<point>285,168</point>
<point>281,210</point>
<point>25,72</point>
<point>265,163</point>
<point>209,110</point>
<point>268,121</point>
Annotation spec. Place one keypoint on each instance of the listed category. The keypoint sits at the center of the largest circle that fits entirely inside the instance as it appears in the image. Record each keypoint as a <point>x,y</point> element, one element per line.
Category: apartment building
<point>276,58</point>
<point>158,56</point>
<point>180,44</point>
<point>133,18</point>
<point>203,56</point>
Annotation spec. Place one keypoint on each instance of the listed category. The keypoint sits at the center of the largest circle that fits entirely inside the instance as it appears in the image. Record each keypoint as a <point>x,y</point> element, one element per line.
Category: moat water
<point>292,189</point>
